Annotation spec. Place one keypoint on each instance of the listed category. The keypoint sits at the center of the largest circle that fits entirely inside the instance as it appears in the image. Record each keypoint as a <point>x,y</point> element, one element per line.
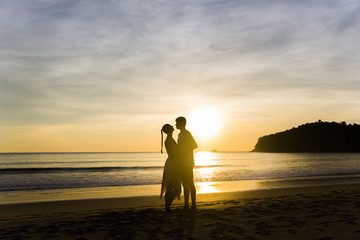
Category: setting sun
<point>204,123</point>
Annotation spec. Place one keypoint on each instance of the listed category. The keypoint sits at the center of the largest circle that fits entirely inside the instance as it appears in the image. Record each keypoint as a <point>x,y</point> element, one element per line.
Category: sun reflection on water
<point>204,158</point>
<point>206,187</point>
<point>204,172</point>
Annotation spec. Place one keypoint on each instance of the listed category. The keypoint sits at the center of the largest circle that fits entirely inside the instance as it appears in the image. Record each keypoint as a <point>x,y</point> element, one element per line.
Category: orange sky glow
<point>85,76</point>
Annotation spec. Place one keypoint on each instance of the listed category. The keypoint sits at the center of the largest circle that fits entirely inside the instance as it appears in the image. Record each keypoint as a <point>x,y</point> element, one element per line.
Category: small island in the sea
<point>313,137</point>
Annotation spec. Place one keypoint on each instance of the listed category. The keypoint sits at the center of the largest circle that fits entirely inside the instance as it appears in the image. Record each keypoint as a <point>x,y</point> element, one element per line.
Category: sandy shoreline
<point>323,212</point>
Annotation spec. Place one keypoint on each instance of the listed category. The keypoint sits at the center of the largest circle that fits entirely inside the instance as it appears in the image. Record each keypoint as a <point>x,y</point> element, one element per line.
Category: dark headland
<point>313,137</point>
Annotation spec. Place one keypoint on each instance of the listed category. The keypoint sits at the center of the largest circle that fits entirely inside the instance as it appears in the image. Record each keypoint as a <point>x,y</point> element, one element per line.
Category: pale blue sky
<point>117,70</point>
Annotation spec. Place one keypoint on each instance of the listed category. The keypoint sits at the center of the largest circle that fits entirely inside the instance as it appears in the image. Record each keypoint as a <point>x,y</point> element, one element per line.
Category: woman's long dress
<point>171,180</point>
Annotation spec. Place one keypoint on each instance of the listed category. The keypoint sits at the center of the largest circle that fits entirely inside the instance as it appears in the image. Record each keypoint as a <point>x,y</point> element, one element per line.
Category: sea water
<point>43,176</point>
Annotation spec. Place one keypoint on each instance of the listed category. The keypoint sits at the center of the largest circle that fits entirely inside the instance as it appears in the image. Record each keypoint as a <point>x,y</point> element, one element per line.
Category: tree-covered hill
<point>313,137</point>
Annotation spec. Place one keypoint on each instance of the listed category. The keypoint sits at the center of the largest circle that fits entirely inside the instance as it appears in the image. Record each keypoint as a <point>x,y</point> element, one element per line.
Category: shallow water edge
<point>28,196</point>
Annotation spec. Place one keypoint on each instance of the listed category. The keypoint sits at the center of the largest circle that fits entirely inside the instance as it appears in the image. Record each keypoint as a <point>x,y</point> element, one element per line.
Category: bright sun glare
<point>204,158</point>
<point>204,123</point>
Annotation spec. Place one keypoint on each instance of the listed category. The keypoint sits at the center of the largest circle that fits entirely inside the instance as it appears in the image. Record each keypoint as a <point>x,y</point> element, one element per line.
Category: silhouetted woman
<point>171,184</point>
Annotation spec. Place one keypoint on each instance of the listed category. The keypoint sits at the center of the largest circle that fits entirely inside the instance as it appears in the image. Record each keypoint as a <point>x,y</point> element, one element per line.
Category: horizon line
<point>109,152</point>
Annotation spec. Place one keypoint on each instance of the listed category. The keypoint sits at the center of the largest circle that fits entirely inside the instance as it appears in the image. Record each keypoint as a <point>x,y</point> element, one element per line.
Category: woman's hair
<point>164,129</point>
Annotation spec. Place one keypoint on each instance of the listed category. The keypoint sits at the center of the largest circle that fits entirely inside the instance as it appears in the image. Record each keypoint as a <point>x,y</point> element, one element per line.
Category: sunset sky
<point>106,75</point>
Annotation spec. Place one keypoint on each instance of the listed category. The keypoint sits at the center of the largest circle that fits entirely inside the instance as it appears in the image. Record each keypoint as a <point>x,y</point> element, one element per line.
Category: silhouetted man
<point>186,164</point>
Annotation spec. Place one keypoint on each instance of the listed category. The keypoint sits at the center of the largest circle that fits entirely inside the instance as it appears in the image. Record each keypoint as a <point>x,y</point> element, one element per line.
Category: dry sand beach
<point>324,212</point>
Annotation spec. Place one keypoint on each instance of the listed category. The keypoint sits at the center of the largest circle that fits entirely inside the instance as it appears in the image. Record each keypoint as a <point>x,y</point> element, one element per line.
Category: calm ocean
<point>30,174</point>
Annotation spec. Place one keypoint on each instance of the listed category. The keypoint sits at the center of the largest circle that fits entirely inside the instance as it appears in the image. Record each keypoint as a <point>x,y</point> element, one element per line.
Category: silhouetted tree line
<point>313,137</point>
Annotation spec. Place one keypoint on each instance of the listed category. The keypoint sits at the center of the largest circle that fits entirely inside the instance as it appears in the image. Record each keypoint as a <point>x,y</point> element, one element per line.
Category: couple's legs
<point>189,188</point>
<point>169,197</point>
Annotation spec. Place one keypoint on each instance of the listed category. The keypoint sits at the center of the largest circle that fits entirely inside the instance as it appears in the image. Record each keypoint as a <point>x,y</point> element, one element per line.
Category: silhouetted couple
<point>179,165</point>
